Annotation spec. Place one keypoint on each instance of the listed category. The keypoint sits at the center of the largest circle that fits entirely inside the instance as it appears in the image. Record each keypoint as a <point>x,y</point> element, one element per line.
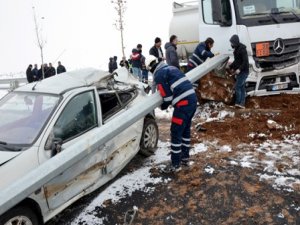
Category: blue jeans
<point>240,89</point>
<point>137,72</point>
<point>145,76</point>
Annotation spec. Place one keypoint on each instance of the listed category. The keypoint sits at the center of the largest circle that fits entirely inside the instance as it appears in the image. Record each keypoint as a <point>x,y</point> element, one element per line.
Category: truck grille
<point>289,56</point>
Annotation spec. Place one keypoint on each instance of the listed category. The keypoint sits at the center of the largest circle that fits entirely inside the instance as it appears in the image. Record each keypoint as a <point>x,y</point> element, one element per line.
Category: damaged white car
<point>41,119</point>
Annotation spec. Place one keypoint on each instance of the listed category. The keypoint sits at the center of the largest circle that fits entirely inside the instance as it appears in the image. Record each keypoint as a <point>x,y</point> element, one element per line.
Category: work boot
<point>186,163</point>
<point>170,169</point>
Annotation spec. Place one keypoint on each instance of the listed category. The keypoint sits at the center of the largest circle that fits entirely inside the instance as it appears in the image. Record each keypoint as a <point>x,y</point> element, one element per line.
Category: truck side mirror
<point>221,12</point>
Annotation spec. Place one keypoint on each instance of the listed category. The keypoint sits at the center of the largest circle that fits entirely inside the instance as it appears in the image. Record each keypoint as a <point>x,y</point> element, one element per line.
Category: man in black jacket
<point>156,50</point>
<point>29,74</point>
<point>240,67</point>
<point>60,68</point>
<point>52,70</point>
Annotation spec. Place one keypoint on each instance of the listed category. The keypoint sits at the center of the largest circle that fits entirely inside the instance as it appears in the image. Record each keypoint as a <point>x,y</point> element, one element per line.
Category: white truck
<point>270,29</point>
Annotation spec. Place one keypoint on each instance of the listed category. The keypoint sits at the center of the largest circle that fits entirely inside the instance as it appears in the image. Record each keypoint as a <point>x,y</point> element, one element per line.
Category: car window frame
<point>122,105</point>
<point>46,122</point>
<point>85,131</point>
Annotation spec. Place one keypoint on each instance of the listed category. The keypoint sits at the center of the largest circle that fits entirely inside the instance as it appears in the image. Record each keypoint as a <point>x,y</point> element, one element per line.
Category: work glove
<point>164,106</point>
<point>237,72</point>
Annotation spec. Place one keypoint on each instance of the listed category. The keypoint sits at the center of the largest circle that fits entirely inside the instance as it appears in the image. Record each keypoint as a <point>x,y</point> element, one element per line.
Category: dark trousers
<point>181,130</point>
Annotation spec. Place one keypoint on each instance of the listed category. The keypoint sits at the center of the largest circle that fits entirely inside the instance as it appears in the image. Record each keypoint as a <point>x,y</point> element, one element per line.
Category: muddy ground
<point>231,193</point>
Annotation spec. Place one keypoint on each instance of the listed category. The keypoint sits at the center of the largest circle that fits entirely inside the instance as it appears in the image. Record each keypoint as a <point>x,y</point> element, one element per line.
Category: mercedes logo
<point>278,46</point>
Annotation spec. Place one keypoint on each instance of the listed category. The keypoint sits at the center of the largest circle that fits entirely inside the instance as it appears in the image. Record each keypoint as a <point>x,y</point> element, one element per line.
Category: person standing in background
<point>51,69</point>
<point>29,74</point>
<point>115,64</point>
<point>171,54</point>
<point>136,62</point>
<point>156,50</point>
<point>60,68</point>
<point>35,73</point>
<point>111,65</point>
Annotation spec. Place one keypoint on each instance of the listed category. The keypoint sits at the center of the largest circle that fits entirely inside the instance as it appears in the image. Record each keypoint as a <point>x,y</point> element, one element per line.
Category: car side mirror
<point>56,146</point>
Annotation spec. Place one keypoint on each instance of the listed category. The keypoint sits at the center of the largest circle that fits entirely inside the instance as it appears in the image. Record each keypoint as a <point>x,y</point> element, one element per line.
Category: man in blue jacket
<point>176,90</point>
<point>201,53</point>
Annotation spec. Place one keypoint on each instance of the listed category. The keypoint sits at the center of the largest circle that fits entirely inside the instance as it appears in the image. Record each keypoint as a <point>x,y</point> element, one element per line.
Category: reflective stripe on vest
<point>182,96</point>
<point>178,82</point>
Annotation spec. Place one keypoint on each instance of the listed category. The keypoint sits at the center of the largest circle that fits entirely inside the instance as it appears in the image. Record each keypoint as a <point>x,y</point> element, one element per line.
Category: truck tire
<point>149,138</point>
<point>19,215</point>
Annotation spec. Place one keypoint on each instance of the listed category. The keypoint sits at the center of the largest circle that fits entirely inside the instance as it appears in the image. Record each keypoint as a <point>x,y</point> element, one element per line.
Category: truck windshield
<point>23,116</point>
<point>261,12</point>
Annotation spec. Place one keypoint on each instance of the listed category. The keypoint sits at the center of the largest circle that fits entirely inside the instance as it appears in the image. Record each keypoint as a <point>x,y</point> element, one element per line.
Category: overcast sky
<point>82,31</point>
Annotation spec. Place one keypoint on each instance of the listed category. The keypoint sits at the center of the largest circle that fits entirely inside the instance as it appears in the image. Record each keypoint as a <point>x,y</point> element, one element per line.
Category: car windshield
<point>258,9</point>
<point>23,115</point>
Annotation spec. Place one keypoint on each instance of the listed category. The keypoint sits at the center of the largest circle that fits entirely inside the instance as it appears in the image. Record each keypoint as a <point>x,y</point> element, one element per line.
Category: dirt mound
<point>283,102</point>
<point>251,124</point>
<point>215,88</point>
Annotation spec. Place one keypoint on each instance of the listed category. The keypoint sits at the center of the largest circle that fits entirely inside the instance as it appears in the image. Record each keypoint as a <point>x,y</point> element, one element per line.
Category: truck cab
<point>268,28</point>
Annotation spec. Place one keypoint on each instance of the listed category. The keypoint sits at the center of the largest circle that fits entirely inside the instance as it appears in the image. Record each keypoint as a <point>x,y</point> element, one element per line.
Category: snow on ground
<point>207,112</point>
<point>12,75</point>
<point>164,114</point>
<point>210,170</point>
<point>137,180</point>
<point>279,161</point>
<point>212,111</point>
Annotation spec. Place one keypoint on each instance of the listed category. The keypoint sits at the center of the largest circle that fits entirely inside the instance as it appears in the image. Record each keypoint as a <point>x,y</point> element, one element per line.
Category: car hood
<point>5,156</point>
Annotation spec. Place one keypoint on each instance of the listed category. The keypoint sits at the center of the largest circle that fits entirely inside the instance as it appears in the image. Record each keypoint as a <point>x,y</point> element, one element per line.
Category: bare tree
<point>120,7</point>
<point>40,40</point>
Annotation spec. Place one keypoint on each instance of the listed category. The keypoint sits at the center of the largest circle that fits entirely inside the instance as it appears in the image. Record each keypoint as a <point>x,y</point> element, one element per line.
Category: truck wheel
<point>19,215</point>
<point>149,138</point>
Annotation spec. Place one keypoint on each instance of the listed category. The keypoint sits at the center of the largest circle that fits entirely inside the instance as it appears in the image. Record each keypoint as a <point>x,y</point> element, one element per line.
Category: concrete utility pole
<point>120,7</point>
<point>40,40</point>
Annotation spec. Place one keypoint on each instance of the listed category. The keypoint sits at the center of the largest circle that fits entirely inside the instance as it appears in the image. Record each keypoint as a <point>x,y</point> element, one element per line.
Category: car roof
<point>66,81</point>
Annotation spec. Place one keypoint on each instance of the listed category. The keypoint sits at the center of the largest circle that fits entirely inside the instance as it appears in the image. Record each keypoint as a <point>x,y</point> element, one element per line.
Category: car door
<point>75,120</point>
<point>122,148</point>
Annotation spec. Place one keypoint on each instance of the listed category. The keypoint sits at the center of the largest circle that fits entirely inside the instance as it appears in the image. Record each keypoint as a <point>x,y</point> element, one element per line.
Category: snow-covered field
<point>12,75</point>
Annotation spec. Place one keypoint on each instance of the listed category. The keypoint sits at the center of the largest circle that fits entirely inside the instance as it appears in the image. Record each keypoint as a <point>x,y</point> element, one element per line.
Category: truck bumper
<point>286,80</point>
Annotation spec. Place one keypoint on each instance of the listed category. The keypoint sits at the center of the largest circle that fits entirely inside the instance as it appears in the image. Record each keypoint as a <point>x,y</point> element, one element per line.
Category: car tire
<point>149,139</point>
<point>19,215</point>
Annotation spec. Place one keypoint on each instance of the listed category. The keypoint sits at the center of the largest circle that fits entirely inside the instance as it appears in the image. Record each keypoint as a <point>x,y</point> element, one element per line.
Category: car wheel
<point>149,138</point>
<point>19,215</point>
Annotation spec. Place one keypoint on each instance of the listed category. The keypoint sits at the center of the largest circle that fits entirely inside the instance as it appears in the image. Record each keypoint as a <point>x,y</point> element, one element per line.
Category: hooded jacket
<point>171,55</point>
<point>241,60</point>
